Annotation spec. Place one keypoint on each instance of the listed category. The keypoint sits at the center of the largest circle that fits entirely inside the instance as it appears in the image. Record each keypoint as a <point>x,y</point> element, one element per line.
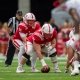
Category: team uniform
<point>23,30</point>
<point>38,37</point>
<point>73,44</point>
<point>45,44</point>
<point>62,38</point>
<point>73,4</point>
<point>73,39</point>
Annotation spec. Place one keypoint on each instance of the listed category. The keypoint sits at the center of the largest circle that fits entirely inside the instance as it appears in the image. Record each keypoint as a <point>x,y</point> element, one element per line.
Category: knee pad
<point>26,56</point>
<point>54,59</point>
<point>53,54</point>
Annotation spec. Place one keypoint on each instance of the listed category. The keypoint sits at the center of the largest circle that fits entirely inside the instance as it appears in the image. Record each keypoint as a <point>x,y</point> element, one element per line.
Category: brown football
<point>43,70</point>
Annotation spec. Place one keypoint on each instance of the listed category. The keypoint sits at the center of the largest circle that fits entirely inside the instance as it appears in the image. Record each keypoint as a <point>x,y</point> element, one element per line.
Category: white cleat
<point>20,69</point>
<point>75,72</point>
<point>57,70</point>
<point>35,70</point>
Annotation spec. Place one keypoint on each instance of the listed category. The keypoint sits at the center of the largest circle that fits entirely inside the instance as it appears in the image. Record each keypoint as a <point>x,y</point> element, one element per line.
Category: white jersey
<point>73,36</point>
<point>73,39</point>
<point>73,4</point>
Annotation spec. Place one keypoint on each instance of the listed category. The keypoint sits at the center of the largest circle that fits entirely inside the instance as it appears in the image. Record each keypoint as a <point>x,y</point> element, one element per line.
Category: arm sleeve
<point>22,31</point>
<point>55,34</point>
<point>36,39</point>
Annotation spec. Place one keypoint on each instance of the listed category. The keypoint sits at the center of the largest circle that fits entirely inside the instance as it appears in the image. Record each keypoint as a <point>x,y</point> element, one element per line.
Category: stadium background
<point>41,8</point>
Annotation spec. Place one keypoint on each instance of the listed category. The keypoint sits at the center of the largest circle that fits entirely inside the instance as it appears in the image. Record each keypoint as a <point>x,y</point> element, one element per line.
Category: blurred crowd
<point>4,37</point>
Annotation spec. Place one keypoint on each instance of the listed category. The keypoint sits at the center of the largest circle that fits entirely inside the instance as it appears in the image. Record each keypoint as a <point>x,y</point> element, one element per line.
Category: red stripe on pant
<point>16,44</point>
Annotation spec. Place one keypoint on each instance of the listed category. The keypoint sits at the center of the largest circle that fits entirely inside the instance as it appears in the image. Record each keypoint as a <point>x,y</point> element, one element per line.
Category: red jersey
<point>26,29</point>
<point>39,38</point>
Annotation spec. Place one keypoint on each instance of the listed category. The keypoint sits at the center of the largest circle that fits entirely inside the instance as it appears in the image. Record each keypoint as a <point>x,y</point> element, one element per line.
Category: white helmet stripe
<point>32,15</point>
<point>49,28</point>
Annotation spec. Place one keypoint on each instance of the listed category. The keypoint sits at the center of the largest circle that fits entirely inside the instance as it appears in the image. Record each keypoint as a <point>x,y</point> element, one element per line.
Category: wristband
<point>43,62</point>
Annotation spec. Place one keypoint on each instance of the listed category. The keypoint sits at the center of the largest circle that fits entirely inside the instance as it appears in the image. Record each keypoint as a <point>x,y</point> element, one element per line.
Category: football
<point>45,70</point>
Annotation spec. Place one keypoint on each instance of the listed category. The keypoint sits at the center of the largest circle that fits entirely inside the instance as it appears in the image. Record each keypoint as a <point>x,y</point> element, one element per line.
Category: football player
<point>42,41</point>
<point>25,29</point>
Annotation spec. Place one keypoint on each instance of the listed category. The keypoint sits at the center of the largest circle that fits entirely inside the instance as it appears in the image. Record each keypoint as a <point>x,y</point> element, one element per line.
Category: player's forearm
<point>41,58</point>
<point>39,54</point>
<point>53,44</point>
<point>43,62</point>
<point>37,48</point>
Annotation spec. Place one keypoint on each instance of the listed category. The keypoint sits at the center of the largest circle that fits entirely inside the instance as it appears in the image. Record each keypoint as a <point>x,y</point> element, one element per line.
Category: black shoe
<point>7,65</point>
<point>28,62</point>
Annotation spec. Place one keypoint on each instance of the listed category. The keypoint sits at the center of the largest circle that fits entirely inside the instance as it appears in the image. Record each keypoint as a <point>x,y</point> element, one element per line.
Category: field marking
<point>5,71</point>
<point>1,78</point>
<point>60,62</point>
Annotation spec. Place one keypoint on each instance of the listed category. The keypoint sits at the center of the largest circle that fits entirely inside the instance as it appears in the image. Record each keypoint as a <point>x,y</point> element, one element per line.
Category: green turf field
<point>8,73</point>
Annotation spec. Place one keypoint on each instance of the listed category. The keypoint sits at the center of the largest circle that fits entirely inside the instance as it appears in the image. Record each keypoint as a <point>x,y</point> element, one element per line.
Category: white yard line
<point>5,71</point>
<point>15,59</point>
<point>1,78</point>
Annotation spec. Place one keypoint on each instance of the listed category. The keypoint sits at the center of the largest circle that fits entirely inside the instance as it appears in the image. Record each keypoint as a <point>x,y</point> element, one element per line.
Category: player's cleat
<point>20,69</point>
<point>75,72</point>
<point>7,65</point>
<point>57,70</point>
<point>34,70</point>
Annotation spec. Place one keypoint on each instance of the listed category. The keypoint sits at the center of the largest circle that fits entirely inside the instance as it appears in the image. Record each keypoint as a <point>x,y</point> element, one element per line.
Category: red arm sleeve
<point>37,39</point>
<point>55,34</point>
